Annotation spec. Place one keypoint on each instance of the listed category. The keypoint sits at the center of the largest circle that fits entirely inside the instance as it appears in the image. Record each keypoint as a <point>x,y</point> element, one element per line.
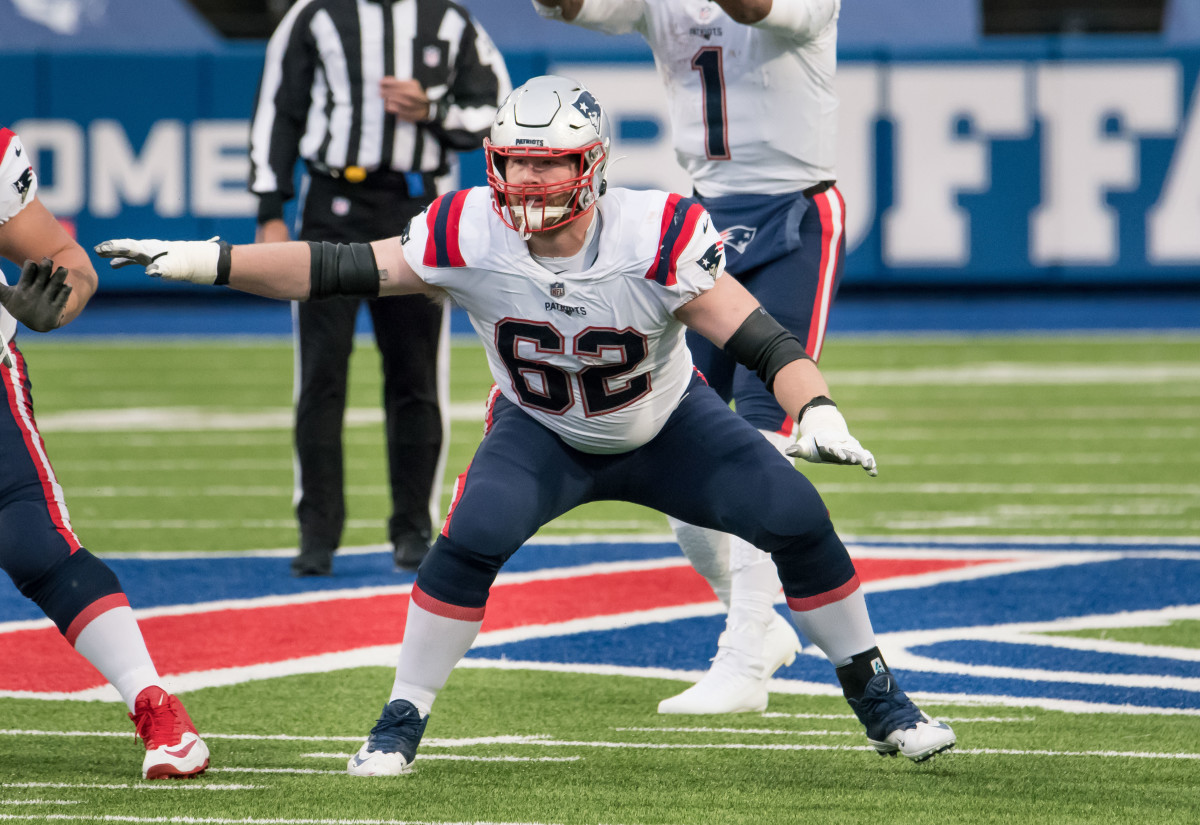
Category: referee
<point>376,97</point>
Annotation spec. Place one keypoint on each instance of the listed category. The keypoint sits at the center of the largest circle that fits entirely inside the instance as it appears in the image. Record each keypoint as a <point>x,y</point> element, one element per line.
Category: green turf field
<point>184,445</point>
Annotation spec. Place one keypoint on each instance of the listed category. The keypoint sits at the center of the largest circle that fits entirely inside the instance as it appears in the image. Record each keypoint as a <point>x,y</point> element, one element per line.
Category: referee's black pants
<point>407,332</point>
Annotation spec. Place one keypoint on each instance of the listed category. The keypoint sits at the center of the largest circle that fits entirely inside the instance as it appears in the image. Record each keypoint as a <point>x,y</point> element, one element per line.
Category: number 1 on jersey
<point>707,61</point>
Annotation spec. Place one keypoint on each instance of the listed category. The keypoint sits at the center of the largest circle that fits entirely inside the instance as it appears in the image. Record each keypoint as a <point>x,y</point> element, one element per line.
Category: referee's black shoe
<point>408,552</point>
<point>313,562</point>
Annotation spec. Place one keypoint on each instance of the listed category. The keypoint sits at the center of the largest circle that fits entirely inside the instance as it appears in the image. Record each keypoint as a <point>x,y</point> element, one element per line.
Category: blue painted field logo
<point>1037,623</point>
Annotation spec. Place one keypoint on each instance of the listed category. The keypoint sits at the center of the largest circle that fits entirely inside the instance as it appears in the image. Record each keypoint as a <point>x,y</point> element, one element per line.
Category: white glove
<point>194,261</point>
<point>825,439</point>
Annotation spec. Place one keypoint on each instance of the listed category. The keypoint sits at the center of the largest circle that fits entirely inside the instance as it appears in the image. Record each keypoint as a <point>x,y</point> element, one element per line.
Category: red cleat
<point>173,748</point>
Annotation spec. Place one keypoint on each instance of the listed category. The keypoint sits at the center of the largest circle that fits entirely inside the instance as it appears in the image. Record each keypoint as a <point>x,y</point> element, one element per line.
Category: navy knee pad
<point>455,575</point>
<point>68,588</point>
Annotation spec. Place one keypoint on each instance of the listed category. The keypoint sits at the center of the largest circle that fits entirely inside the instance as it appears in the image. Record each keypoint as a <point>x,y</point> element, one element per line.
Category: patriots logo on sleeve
<point>711,259</point>
<point>406,233</point>
<point>23,183</point>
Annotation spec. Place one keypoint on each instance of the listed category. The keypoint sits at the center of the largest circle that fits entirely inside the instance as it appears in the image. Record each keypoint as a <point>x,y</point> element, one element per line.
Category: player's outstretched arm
<point>296,270</point>
<point>732,318</point>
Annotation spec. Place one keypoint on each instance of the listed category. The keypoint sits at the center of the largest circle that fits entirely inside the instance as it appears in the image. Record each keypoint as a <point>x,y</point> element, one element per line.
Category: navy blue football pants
<point>707,466</point>
<point>38,548</point>
<point>796,286</point>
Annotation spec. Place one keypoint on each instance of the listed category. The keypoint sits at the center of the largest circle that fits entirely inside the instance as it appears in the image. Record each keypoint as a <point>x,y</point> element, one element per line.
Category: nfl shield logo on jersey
<point>431,56</point>
<point>558,289</point>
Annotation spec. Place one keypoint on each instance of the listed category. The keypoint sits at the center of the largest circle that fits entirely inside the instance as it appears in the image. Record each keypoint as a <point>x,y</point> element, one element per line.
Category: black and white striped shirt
<point>319,97</point>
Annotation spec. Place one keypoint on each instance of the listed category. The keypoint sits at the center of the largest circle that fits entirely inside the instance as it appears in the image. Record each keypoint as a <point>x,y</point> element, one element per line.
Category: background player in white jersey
<point>38,546</point>
<point>581,299</point>
<point>752,108</point>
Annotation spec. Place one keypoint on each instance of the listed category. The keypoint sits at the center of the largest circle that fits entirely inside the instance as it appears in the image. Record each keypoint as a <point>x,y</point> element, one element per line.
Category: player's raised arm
<point>295,270</point>
<point>732,318</point>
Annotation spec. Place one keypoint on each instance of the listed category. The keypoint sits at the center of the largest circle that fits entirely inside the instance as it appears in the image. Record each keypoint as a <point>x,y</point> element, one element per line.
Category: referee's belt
<point>405,184</point>
<point>818,188</point>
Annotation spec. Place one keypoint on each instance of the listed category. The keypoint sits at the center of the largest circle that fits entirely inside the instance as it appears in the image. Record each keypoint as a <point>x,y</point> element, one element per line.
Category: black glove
<point>39,298</point>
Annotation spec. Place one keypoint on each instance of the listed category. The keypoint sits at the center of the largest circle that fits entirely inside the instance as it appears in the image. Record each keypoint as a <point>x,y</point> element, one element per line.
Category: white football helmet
<point>549,116</point>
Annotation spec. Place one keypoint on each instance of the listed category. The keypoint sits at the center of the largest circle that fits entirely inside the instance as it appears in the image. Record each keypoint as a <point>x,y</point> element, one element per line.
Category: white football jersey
<point>597,356</point>
<point>18,185</point>
<point>753,109</point>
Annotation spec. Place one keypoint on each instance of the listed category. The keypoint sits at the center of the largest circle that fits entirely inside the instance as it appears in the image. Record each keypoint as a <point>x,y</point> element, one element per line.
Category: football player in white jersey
<point>581,297</point>
<point>752,107</point>
<point>38,546</point>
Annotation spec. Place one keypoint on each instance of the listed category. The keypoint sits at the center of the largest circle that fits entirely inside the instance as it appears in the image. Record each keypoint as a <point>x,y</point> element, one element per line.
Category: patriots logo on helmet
<point>22,183</point>
<point>711,258</point>
<point>739,237</point>
<point>589,108</point>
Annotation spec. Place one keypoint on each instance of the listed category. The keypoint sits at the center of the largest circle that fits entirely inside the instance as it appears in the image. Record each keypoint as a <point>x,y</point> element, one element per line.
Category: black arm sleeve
<point>342,269</point>
<point>764,346</point>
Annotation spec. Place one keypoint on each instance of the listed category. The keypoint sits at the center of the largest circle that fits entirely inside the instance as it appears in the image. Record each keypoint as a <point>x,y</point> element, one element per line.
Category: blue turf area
<point>224,313</point>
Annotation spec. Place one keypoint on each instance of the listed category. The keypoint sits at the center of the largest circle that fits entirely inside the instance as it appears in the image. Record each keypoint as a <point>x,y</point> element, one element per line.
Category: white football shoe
<point>896,726</point>
<point>391,746</point>
<point>746,659</point>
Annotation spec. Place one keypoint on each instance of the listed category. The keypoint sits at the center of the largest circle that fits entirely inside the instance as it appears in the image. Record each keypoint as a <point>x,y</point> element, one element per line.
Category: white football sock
<point>708,552</point>
<point>743,577</point>
<point>432,646</point>
<point>840,629</point>
<point>113,643</point>
<point>754,584</point>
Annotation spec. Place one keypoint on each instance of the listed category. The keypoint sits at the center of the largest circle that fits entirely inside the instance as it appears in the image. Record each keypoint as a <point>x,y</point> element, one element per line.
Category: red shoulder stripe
<point>442,218</point>
<point>685,237</point>
<point>6,137</point>
<point>678,223</point>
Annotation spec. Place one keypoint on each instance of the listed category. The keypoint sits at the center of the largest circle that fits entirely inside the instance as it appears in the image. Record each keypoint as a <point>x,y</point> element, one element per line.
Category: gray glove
<point>40,296</point>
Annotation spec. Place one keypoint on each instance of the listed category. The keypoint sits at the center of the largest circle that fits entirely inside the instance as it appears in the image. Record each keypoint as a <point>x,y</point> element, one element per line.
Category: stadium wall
<point>1047,162</point>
